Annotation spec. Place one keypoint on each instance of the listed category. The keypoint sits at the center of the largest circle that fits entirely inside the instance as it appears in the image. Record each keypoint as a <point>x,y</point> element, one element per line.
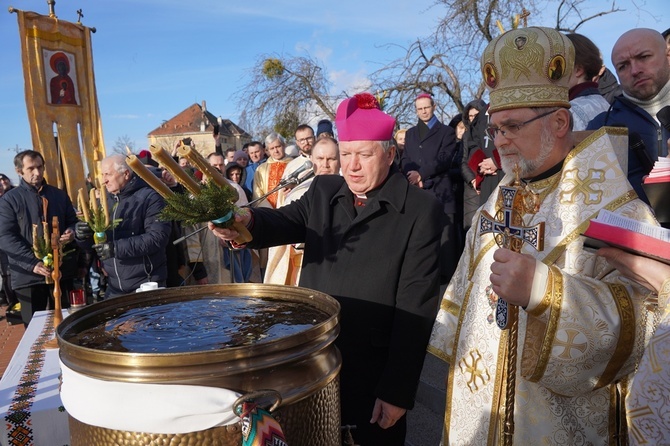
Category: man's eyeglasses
<point>304,140</point>
<point>510,131</point>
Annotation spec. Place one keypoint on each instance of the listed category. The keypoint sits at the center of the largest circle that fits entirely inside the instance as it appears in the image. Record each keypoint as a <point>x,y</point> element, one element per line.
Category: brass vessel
<point>302,367</point>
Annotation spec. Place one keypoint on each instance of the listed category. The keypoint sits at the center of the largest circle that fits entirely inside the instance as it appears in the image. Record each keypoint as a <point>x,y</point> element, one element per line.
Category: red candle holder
<point>77,298</point>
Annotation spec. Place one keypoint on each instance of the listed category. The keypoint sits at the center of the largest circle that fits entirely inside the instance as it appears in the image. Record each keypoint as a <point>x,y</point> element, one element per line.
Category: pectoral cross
<point>508,228</point>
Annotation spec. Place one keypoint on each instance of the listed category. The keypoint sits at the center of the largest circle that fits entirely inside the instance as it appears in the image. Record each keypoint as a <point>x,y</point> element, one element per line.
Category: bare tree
<point>446,63</point>
<point>286,84</point>
<point>121,143</point>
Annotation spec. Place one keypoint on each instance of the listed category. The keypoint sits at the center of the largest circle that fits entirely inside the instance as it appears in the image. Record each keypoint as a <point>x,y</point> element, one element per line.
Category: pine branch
<point>212,203</point>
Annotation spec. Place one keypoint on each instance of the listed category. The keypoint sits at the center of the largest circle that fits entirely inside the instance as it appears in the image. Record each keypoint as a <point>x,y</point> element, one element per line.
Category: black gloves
<point>82,230</point>
<point>104,250</point>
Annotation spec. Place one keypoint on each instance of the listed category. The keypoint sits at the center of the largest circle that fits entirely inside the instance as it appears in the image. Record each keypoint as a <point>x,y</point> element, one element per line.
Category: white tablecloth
<point>29,390</point>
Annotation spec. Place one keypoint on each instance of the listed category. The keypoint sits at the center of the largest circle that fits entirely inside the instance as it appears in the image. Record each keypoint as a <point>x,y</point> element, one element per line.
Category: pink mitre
<point>360,119</point>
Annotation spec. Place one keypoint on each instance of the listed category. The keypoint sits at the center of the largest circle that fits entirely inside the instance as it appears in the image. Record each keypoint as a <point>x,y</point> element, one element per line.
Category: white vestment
<point>580,340</point>
<point>648,403</point>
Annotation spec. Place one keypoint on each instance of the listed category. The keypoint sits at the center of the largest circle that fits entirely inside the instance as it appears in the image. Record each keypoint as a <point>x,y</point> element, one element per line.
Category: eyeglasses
<point>510,131</point>
<point>304,140</point>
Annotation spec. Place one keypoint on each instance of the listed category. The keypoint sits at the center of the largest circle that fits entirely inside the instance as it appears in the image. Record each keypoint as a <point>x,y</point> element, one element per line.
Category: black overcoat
<point>381,265</point>
<point>432,156</point>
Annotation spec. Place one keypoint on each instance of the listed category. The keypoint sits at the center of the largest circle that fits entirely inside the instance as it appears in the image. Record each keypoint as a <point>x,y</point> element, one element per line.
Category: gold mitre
<point>528,67</point>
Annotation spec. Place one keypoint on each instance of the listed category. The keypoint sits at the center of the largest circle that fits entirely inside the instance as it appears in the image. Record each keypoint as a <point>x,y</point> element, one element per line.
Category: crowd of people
<point>395,223</point>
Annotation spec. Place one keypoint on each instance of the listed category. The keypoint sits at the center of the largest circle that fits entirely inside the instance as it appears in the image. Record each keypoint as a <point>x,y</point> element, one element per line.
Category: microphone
<point>663,116</point>
<point>637,146</point>
<point>293,178</point>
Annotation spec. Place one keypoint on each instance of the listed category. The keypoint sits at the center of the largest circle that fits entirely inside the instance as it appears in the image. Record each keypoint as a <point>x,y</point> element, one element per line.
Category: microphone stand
<point>282,184</point>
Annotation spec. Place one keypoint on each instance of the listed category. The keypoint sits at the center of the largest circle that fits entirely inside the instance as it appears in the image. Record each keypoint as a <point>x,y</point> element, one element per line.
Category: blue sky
<point>154,58</point>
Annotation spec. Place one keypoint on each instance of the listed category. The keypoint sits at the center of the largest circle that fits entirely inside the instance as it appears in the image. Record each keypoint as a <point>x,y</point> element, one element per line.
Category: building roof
<point>191,119</point>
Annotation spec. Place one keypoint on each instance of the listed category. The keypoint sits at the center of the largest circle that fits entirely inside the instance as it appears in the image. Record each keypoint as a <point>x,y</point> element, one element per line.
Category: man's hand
<point>104,250</point>
<point>413,177</point>
<point>228,234</point>
<point>647,272</point>
<point>512,276</point>
<point>67,236</point>
<point>386,414</point>
<point>42,270</point>
<point>82,231</point>
<point>487,167</point>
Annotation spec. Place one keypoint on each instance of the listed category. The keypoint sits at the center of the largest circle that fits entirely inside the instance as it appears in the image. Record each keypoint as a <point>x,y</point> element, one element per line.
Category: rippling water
<point>204,324</point>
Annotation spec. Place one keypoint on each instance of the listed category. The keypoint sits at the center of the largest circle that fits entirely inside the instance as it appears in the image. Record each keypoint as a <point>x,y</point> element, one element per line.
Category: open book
<point>630,235</point>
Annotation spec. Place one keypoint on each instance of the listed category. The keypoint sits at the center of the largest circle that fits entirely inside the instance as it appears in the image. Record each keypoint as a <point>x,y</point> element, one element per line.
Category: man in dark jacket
<point>32,203</point>
<point>642,62</point>
<point>426,161</point>
<point>134,252</point>
<point>371,241</point>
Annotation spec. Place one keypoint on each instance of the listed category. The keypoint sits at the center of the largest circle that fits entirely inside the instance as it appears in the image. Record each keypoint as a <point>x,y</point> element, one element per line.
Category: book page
<point>612,219</point>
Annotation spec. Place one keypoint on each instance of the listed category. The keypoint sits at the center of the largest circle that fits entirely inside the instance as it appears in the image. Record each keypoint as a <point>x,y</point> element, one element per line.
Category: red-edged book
<point>610,229</point>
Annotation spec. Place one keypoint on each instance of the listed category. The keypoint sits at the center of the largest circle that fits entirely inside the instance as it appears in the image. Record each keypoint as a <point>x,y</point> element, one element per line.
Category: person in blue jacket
<point>641,60</point>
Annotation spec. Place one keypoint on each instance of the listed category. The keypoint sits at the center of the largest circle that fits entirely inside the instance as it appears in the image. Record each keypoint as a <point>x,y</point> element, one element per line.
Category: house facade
<point>198,123</point>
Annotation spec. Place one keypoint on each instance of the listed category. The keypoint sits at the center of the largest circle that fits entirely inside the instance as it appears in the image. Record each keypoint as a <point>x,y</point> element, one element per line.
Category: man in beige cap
<point>581,326</point>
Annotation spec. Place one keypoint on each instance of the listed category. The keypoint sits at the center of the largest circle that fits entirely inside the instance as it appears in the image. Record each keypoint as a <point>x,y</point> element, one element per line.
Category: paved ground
<point>10,335</point>
<point>425,421</point>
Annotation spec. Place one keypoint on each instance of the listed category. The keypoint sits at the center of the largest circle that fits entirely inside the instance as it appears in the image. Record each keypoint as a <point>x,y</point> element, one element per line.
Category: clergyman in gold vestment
<point>582,326</point>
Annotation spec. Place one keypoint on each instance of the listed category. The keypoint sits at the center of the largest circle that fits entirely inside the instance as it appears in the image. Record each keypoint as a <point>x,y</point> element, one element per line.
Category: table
<point>29,390</point>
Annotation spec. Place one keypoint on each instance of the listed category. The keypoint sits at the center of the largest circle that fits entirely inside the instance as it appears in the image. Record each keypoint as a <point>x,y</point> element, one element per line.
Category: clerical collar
<point>546,174</point>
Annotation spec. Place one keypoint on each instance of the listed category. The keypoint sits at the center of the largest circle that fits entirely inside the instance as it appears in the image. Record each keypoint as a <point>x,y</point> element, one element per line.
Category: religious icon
<point>556,68</point>
<point>520,42</point>
<point>490,75</point>
<point>62,78</point>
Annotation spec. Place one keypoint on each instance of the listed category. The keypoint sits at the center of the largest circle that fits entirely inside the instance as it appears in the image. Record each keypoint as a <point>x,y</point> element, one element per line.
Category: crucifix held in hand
<point>508,228</point>
<point>509,232</point>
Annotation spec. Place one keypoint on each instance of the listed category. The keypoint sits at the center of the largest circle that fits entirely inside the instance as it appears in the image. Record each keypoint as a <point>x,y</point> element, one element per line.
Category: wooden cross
<point>524,15</point>
<point>509,230</point>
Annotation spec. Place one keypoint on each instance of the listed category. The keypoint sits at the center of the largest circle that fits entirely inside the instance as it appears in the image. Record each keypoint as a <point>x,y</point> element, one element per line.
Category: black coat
<point>20,208</point>
<point>381,265</point>
<point>432,156</point>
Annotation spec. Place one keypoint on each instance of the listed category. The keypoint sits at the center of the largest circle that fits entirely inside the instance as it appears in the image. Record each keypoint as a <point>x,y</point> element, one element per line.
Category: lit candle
<point>160,154</point>
<point>103,202</point>
<point>203,165</point>
<point>94,202</point>
<point>83,205</point>
<point>151,179</point>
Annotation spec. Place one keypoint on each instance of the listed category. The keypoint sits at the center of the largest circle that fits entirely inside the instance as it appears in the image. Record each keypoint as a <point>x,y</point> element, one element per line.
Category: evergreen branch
<point>212,203</point>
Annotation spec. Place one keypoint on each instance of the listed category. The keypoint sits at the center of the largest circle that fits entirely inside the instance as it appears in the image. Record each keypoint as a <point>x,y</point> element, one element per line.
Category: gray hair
<point>118,161</point>
<point>386,145</point>
<point>274,136</point>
